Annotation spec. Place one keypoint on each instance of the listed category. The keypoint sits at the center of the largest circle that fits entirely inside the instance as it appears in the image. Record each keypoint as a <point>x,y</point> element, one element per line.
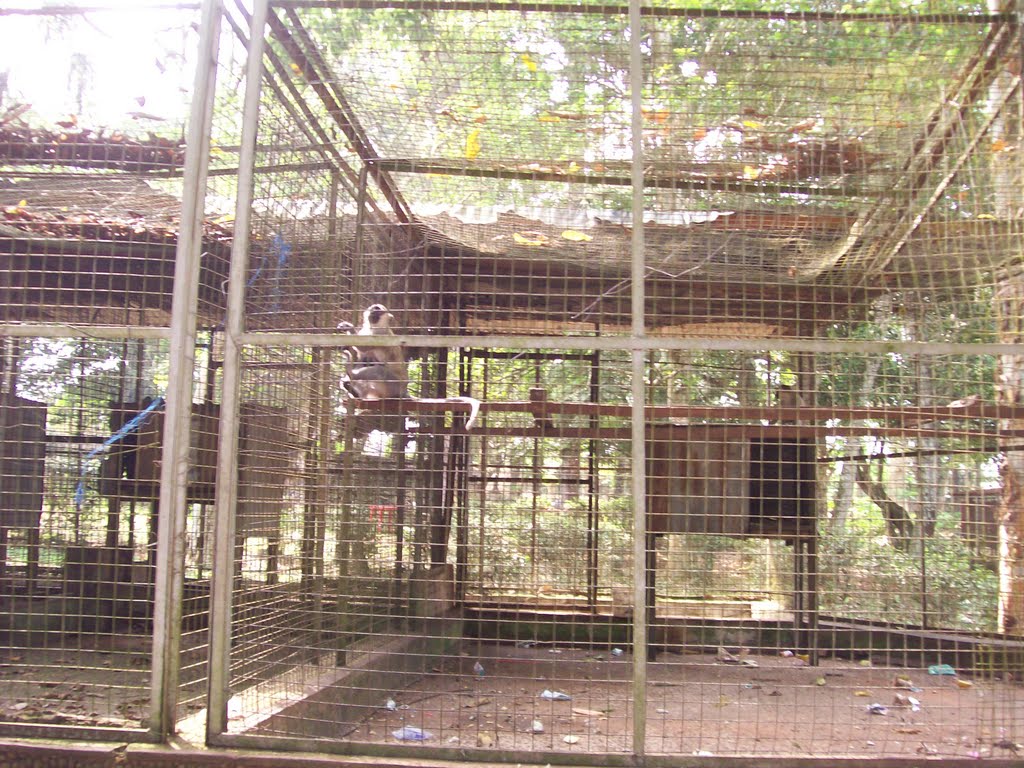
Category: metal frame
<point>170,563</point>
<point>182,337</point>
<point>637,342</point>
<point>181,333</point>
<point>227,446</point>
<point>642,543</point>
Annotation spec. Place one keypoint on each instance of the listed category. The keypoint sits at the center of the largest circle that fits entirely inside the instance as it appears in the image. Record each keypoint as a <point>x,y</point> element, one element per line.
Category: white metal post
<point>225,503</point>
<point>638,356</point>
<point>170,555</point>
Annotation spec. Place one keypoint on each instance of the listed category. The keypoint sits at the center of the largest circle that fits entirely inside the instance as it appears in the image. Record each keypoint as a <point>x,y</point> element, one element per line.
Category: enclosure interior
<point>822,523</point>
<point>830,461</point>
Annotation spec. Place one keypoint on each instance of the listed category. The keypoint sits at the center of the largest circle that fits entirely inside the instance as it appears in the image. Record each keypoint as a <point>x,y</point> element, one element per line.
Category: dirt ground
<point>696,704</point>
<point>699,705</point>
<point>104,682</point>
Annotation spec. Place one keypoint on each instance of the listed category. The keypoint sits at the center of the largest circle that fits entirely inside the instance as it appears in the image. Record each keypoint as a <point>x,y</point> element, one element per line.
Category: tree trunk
<point>571,472</point>
<point>844,492</point>
<point>898,524</point>
<point>847,480</point>
<point>1009,304</point>
<point>928,470</point>
<point>1009,389</point>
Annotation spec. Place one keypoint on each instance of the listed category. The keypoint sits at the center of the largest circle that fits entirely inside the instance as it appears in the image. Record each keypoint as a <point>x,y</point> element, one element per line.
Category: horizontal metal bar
<point>75,10</point>
<point>276,168</point>
<point>307,752</point>
<point>22,730</point>
<point>391,755</point>
<point>546,480</point>
<point>907,414</point>
<point>75,439</point>
<point>919,452</point>
<point>507,355</point>
<point>652,181</point>
<point>615,9</point>
<point>651,343</point>
<point>69,331</point>
<point>624,434</point>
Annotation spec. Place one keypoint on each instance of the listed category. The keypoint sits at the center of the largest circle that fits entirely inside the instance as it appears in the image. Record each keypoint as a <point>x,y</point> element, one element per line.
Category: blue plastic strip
<point>131,425</point>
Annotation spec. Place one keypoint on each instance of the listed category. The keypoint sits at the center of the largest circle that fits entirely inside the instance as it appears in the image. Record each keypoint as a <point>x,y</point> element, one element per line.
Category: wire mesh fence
<point>569,381</point>
<point>78,543</point>
<point>93,109</point>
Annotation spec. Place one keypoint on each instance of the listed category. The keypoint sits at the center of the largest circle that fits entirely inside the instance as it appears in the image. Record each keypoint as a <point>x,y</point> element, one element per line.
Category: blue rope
<point>279,247</point>
<point>129,426</point>
<point>283,250</point>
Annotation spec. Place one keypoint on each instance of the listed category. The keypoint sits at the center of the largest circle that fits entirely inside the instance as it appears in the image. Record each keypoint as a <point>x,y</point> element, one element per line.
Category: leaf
<point>804,125</point>
<point>473,145</point>
<point>751,173</point>
<point>752,124</point>
<point>576,237</point>
<point>587,712</point>
<point>14,113</point>
<point>999,145</point>
<point>530,238</point>
<point>656,115</point>
<point>547,117</point>
<point>528,62</point>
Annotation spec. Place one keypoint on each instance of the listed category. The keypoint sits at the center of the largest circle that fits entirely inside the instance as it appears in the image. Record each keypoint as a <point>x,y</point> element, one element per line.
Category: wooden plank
<point>266,448</point>
<point>22,461</point>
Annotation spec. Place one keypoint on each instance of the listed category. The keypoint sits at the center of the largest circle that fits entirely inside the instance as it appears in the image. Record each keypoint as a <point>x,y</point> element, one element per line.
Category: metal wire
<point>736,292</point>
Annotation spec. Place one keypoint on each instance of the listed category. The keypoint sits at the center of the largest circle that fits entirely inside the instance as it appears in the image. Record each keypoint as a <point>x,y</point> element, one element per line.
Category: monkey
<point>376,373</point>
<point>539,396</point>
<point>474,408</point>
<point>788,396</point>
<point>374,381</point>
<point>376,322</point>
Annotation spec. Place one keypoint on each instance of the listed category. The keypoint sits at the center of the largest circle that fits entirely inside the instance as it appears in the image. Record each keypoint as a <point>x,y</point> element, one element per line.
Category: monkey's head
<point>377,316</point>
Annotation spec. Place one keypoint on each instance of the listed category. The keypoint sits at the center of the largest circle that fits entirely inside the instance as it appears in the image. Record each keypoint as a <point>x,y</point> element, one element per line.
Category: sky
<point>137,60</point>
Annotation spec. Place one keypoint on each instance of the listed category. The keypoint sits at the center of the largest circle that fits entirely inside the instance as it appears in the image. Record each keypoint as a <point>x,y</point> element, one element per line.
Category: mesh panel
<point>569,385</point>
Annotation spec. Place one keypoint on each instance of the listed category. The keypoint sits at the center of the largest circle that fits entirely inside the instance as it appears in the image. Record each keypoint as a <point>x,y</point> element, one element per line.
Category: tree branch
<point>898,522</point>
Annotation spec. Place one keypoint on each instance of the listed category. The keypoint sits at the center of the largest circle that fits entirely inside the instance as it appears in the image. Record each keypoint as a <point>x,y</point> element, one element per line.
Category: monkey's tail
<point>474,409</point>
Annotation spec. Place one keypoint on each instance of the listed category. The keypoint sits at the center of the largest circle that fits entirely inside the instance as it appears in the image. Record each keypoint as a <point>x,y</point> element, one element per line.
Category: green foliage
<point>863,577</point>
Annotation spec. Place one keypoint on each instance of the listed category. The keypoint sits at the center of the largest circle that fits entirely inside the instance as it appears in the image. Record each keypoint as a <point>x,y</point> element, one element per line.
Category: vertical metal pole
<point>170,555</point>
<point>357,257</point>
<point>227,445</point>
<point>8,391</point>
<point>114,502</point>
<point>636,82</point>
<point>593,487</point>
